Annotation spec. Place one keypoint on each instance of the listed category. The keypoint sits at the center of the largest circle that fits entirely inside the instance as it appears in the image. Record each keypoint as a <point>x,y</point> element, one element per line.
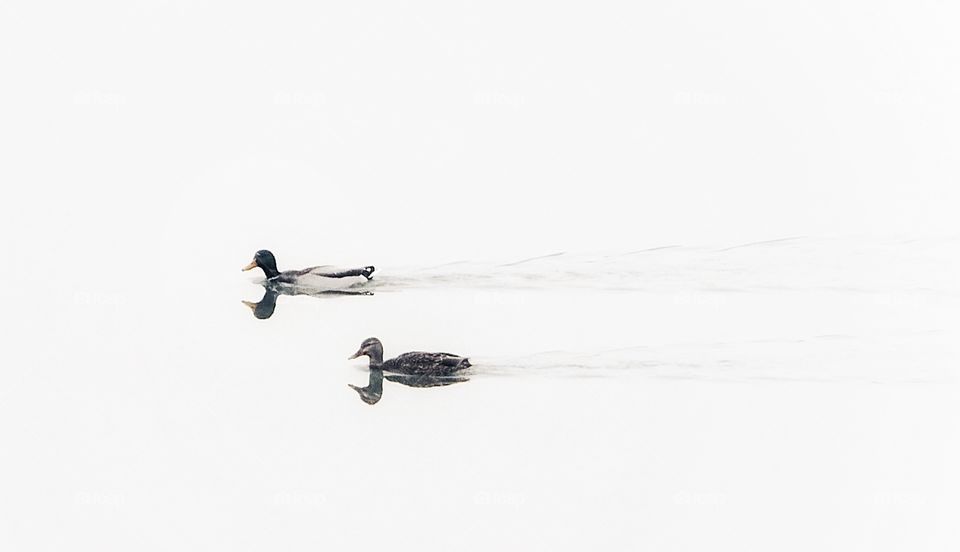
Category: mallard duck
<point>320,277</point>
<point>435,364</point>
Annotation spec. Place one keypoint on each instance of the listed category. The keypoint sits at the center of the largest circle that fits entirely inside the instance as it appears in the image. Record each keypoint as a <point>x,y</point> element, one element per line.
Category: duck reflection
<point>373,391</point>
<point>265,307</point>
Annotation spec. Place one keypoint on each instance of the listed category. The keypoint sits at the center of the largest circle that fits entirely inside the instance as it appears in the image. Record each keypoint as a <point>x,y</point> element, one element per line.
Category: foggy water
<point>616,399</point>
<point>704,257</point>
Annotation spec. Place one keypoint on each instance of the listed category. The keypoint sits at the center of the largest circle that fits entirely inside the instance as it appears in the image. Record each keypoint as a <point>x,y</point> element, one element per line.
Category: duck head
<point>264,259</point>
<point>371,347</point>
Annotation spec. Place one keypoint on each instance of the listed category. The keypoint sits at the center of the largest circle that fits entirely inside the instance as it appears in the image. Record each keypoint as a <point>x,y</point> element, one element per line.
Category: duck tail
<point>367,272</point>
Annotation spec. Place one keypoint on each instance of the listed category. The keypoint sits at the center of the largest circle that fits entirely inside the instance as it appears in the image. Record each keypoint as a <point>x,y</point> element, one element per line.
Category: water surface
<point>618,399</point>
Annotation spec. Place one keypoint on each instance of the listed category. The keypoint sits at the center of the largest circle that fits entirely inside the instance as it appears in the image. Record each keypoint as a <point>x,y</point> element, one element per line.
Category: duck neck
<point>270,271</point>
<point>376,359</point>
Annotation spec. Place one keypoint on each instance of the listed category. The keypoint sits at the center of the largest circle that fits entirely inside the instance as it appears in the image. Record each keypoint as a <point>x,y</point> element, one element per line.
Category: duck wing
<point>326,277</point>
<point>454,361</point>
<point>328,271</point>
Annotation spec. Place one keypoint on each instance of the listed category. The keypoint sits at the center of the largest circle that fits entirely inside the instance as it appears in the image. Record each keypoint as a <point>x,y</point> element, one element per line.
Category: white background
<point>795,395</point>
<point>527,126</point>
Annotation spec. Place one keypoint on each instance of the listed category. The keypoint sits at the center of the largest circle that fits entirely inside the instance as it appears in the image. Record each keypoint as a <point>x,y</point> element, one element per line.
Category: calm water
<point>617,400</point>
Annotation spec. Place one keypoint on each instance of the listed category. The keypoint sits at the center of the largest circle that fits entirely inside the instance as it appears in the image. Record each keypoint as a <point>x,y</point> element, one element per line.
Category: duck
<point>319,277</point>
<point>415,363</point>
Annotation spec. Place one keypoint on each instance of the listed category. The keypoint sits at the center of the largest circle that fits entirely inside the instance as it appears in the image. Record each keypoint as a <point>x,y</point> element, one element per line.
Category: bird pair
<point>414,363</point>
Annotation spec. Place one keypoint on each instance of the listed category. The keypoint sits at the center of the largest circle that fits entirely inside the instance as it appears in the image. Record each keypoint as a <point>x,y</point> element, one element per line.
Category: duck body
<point>324,277</point>
<point>420,363</point>
<point>316,277</point>
<point>415,363</point>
